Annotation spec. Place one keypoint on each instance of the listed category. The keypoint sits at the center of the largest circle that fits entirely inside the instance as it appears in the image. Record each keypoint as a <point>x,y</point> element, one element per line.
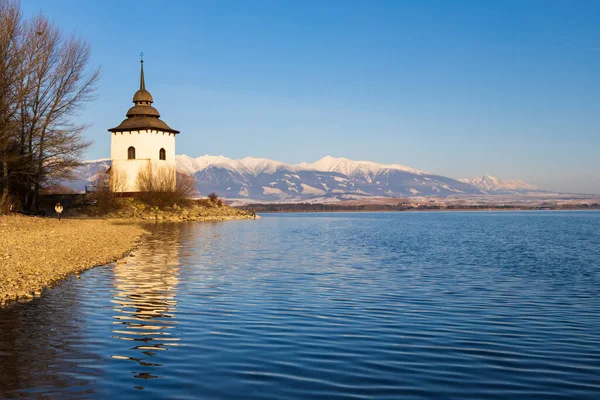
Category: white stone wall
<point>147,145</point>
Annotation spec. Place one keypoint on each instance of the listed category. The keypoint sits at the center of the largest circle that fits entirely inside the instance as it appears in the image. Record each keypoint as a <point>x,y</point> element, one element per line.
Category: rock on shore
<point>37,252</point>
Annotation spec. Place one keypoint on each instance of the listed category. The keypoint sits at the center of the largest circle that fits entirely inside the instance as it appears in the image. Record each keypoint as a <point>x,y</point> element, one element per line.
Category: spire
<point>142,96</point>
<point>142,83</point>
<point>142,116</point>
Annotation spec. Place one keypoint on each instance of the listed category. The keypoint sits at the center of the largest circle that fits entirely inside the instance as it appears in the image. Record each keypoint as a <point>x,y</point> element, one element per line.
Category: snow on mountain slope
<point>247,166</point>
<point>256,166</point>
<point>491,184</point>
<point>193,165</point>
<point>98,161</point>
<point>267,180</point>
<point>87,174</point>
<point>344,166</point>
<point>264,179</point>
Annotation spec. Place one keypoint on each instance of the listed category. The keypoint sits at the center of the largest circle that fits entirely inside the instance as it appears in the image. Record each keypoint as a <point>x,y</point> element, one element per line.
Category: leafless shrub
<point>108,188</point>
<point>213,197</point>
<point>163,186</point>
<point>186,185</point>
<point>212,200</point>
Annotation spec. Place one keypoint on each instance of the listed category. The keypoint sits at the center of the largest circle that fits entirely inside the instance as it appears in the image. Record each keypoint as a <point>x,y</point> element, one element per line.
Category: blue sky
<point>458,88</point>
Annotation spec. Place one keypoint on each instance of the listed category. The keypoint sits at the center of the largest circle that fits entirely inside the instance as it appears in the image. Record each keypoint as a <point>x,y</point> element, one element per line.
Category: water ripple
<point>360,306</point>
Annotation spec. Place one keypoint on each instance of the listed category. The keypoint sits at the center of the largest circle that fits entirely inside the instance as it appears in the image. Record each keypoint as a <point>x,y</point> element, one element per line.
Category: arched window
<point>162,154</point>
<point>131,153</point>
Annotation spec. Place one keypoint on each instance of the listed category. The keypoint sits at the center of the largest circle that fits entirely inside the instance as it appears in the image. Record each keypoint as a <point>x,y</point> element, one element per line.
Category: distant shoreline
<point>303,208</point>
<point>419,211</point>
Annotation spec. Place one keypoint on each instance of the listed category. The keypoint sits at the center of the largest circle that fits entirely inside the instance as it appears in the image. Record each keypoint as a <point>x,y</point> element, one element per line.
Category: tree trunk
<point>5,179</point>
<point>38,175</point>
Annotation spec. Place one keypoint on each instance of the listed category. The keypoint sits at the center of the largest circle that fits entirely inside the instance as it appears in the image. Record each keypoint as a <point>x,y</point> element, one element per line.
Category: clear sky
<point>458,88</point>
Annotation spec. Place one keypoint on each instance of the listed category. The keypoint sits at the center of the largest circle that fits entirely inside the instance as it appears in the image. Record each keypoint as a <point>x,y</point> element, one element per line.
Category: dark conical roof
<point>142,110</point>
<point>142,116</point>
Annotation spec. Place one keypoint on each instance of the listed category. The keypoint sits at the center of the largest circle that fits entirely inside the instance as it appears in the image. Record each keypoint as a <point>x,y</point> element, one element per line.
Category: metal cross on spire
<point>142,82</point>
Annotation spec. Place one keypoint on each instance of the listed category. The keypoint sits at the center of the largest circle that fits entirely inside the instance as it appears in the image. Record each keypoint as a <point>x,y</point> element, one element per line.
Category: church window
<point>162,154</point>
<point>131,153</point>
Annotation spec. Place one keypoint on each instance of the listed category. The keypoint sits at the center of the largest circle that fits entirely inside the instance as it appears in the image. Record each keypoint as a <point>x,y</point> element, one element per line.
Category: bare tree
<point>118,181</point>
<point>44,83</point>
<point>61,87</point>
<point>11,28</point>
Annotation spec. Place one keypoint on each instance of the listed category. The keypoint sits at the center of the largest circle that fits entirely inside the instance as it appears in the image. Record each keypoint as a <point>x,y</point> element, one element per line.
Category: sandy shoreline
<point>36,252</point>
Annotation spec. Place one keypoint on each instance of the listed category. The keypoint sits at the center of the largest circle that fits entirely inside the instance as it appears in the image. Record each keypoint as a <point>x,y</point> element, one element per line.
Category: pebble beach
<point>35,253</point>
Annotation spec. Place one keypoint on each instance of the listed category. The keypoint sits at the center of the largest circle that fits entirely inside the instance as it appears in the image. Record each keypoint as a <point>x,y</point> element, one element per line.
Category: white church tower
<point>141,139</point>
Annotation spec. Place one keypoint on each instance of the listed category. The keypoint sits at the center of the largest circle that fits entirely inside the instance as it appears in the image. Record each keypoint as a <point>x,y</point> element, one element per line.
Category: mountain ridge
<point>263,179</point>
<point>491,184</point>
<point>256,165</point>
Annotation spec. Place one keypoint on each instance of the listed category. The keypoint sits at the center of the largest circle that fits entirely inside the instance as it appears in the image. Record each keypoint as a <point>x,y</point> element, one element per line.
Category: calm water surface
<point>381,305</point>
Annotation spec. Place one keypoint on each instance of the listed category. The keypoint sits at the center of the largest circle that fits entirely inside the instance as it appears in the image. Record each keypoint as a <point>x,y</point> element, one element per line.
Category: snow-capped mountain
<point>492,185</point>
<point>87,174</point>
<point>264,179</point>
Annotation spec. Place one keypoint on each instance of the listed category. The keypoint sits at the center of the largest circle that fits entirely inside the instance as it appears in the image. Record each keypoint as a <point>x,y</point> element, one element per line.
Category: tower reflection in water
<point>144,302</point>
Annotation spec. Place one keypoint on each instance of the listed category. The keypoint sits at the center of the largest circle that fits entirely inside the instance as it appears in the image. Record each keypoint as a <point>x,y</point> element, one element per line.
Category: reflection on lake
<point>144,302</point>
<point>375,305</point>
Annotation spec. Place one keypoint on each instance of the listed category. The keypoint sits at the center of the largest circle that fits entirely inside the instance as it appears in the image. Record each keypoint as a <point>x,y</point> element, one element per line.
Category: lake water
<point>407,305</point>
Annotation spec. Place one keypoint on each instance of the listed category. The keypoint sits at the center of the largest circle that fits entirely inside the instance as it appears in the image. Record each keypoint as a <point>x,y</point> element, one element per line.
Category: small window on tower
<point>162,154</point>
<point>131,153</point>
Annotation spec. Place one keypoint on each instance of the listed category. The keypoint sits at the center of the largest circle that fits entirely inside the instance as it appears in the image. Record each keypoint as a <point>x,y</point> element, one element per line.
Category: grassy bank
<point>37,252</point>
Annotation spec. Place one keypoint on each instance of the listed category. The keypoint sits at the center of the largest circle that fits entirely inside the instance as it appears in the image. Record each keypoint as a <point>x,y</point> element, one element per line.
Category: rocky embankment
<point>133,209</point>
<point>37,252</point>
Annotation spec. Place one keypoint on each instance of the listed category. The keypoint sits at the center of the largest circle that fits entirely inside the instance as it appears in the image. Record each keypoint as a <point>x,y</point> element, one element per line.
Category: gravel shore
<point>37,252</point>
